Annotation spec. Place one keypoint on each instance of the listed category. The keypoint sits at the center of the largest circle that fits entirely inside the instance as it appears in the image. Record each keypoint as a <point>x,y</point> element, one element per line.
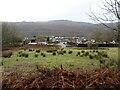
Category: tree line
<point>10,38</point>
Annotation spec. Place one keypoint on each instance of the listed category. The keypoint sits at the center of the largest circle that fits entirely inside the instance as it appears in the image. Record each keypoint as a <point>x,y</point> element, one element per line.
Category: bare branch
<point>100,20</point>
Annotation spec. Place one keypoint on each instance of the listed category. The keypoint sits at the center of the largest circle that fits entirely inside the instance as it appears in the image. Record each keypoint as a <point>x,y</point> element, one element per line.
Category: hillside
<point>56,27</point>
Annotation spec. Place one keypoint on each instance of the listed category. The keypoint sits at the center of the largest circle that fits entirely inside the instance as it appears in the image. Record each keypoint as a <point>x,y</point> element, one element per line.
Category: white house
<point>62,44</point>
<point>32,43</point>
<point>42,43</point>
<point>113,42</point>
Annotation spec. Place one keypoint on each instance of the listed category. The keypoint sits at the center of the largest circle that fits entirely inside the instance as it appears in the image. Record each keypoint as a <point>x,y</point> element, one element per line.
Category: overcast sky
<point>44,10</point>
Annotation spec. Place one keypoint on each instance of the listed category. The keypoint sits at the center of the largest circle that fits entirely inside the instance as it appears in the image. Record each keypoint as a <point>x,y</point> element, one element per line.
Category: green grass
<point>113,53</point>
<point>69,61</point>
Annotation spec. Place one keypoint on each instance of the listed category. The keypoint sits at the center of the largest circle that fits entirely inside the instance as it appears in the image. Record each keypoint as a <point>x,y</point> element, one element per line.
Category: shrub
<point>81,55</point>
<point>93,50</point>
<point>1,63</point>
<point>71,65</point>
<point>90,57</point>
<point>92,64</point>
<point>16,59</point>
<point>112,62</point>
<point>60,52</point>
<point>64,51</point>
<point>54,53</point>
<point>7,54</point>
<point>95,55</point>
<point>30,50</point>
<point>37,51</point>
<point>51,50</point>
<point>86,53</point>
<point>36,55</point>
<point>26,55</point>
<point>44,55</point>
<point>69,52</point>
<point>105,55</point>
<point>89,45</point>
<point>20,52</point>
<point>78,53</point>
<point>82,51</point>
<point>98,57</point>
<point>23,55</point>
<point>97,51</point>
<point>102,61</point>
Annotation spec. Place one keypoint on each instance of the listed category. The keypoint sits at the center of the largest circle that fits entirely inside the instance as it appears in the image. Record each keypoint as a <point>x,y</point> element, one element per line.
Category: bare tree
<point>111,14</point>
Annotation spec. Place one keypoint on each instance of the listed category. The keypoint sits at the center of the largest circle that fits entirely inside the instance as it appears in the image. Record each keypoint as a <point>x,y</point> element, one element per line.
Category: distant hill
<point>56,27</point>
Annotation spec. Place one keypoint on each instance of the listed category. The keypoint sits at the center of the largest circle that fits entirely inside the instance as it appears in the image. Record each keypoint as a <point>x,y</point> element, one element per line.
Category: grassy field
<point>69,61</point>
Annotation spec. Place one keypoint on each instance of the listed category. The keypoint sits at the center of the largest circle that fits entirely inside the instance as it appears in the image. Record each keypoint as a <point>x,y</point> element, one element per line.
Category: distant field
<point>68,60</point>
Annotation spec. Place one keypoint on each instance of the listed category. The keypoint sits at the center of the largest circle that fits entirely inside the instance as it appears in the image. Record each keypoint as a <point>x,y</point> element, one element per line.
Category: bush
<point>43,54</point>
<point>1,63</point>
<point>51,50</point>
<point>26,55</point>
<point>97,51</point>
<point>69,52</point>
<point>37,51</point>
<point>81,55</point>
<point>23,55</point>
<point>20,52</point>
<point>64,51</point>
<point>86,53</point>
<point>112,62</point>
<point>98,57</point>
<point>89,45</point>
<point>102,61</point>
<point>78,53</point>
<point>90,57</point>
<point>71,65</point>
<point>7,54</point>
<point>105,55</point>
<point>16,59</point>
<point>93,50</point>
<point>82,51</point>
<point>30,50</point>
<point>60,52</point>
<point>36,55</point>
<point>54,53</point>
<point>92,64</point>
<point>99,79</point>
